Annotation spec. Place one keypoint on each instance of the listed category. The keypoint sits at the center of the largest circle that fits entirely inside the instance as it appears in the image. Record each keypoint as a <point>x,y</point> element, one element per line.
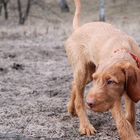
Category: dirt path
<point>35,77</point>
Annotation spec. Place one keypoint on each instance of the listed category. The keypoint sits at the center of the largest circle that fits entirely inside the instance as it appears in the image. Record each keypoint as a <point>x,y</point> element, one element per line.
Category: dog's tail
<point>76,19</point>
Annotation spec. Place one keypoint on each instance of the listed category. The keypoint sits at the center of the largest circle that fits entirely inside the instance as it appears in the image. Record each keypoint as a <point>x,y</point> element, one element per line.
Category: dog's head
<point>110,84</point>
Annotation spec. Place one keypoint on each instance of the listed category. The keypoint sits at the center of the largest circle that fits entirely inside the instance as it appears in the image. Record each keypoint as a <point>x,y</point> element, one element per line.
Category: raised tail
<point>76,19</point>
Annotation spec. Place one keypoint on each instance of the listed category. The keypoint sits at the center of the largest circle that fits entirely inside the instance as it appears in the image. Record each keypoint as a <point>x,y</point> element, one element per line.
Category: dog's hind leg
<point>71,105</point>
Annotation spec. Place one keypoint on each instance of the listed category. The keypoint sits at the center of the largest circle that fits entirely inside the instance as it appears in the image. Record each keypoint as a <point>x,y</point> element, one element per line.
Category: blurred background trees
<point>23,15</point>
<point>24,8</point>
<point>3,6</point>
<point>20,10</point>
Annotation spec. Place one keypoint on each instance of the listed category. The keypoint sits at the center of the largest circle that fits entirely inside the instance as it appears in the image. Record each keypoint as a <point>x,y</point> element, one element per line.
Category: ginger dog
<point>101,53</point>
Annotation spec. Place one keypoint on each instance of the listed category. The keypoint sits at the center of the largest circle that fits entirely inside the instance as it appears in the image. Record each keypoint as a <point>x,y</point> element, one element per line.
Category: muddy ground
<point>35,78</point>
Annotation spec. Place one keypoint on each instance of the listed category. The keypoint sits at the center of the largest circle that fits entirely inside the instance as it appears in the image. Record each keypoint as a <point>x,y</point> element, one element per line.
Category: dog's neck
<point>119,56</point>
<point>124,51</point>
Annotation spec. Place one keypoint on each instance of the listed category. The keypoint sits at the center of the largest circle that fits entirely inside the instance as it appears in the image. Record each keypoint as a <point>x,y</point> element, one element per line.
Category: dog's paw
<point>71,109</point>
<point>87,129</point>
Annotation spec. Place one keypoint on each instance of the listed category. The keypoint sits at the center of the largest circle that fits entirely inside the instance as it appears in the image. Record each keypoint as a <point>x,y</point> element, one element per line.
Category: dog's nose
<point>91,103</point>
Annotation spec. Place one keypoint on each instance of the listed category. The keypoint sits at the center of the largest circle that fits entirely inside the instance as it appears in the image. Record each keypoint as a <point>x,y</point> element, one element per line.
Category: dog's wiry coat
<point>98,51</point>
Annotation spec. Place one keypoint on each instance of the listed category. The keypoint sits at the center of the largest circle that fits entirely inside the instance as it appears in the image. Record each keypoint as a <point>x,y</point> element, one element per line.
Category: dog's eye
<point>109,82</point>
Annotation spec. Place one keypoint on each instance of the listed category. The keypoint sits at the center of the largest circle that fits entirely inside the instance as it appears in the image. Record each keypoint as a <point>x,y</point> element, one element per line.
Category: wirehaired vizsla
<point>101,53</point>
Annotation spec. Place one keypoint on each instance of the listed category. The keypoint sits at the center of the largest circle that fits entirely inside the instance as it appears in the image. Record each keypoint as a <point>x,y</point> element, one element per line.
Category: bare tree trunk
<point>5,2</point>
<point>0,9</point>
<point>27,9</point>
<point>102,10</point>
<point>64,6</point>
<point>19,11</point>
<point>23,17</point>
<point>1,4</point>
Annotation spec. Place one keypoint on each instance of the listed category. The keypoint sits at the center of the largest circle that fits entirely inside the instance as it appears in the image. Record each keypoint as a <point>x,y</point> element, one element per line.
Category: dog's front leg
<point>85,127</point>
<point>77,102</point>
<point>130,111</point>
<point>124,127</point>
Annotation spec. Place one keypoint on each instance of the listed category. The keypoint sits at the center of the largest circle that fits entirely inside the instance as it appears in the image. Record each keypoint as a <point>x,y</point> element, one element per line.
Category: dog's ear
<point>132,84</point>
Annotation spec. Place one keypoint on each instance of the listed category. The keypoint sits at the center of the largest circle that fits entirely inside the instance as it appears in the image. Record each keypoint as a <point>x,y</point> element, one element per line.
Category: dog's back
<point>94,40</point>
<point>97,39</point>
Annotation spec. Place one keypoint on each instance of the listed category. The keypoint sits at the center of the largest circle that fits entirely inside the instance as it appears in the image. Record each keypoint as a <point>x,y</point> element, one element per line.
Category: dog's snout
<point>91,103</point>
